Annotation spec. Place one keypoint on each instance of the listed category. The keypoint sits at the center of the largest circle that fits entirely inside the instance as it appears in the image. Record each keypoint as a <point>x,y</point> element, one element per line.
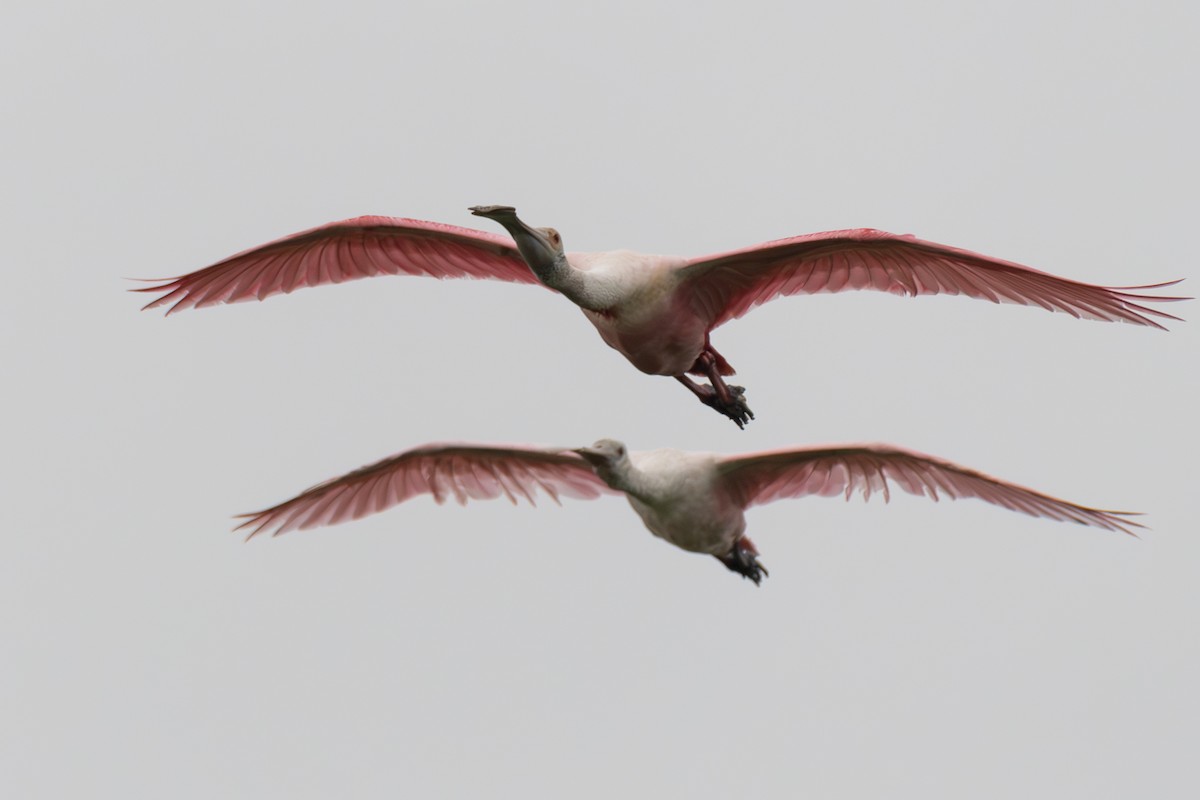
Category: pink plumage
<point>362,247</point>
<point>657,311</point>
<point>775,475</point>
<point>692,500</point>
<point>460,471</point>
<point>727,285</point>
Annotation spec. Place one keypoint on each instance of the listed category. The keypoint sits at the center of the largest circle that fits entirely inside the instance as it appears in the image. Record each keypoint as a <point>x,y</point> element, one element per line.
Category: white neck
<point>625,477</point>
<point>572,282</point>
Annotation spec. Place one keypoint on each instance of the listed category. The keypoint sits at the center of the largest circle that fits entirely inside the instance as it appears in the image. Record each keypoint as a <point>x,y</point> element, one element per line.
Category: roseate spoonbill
<point>657,311</point>
<point>695,501</point>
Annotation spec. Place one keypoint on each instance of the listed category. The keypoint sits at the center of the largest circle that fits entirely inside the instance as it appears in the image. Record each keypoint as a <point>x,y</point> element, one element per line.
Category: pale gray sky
<point>909,650</point>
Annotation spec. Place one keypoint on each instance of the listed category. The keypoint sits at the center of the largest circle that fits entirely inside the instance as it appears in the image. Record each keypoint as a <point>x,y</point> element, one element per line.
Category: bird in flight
<point>695,501</point>
<point>657,311</point>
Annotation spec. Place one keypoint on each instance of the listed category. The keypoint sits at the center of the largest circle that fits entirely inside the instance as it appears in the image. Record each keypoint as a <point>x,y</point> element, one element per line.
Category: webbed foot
<point>732,405</point>
<point>744,562</point>
<point>735,407</point>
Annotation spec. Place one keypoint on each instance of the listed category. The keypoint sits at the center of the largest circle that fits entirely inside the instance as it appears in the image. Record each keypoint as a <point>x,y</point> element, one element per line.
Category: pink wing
<point>727,285</point>
<point>762,477</point>
<point>460,471</point>
<point>342,251</point>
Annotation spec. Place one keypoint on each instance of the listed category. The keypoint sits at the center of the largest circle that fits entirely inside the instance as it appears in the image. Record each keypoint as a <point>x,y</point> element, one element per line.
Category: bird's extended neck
<point>542,250</point>
<point>625,477</point>
<point>573,282</point>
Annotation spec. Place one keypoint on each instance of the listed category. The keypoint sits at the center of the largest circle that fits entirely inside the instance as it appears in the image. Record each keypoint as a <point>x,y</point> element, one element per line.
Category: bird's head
<point>540,247</point>
<point>607,456</point>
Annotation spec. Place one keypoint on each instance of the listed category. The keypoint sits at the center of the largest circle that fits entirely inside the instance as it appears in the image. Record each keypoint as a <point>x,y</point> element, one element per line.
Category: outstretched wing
<point>343,251</point>
<point>727,285</point>
<point>762,477</point>
<point>460,471</point>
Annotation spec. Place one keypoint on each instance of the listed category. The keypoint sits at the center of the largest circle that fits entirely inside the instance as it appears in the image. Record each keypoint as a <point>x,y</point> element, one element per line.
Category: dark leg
<point>728,400</point>
<point>743,559</point>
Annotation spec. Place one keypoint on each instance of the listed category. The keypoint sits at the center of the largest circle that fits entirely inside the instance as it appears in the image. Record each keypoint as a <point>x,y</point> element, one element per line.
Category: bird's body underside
<point>681,501</point>
<point>642,319</point>
<point>657,311</point>
<point>678,498</point>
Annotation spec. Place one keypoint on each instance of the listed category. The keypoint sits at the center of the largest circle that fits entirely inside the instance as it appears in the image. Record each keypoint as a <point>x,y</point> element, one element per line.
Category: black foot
<point>736,409</point>
<point>746,564</point>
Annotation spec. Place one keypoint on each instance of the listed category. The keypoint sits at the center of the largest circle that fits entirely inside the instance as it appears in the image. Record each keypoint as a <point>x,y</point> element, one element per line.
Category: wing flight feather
<point>458,471</point>
<point>356,248</point>
<point>727,285</point>
<point>760,478</point>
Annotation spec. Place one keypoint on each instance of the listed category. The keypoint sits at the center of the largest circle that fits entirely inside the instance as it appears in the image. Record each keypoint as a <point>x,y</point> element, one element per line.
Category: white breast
<point>679,500</point>
<point>630,283</point>
<point>642,314</point>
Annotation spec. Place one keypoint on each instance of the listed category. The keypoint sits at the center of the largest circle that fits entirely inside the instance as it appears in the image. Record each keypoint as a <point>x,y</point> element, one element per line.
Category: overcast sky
<point>905,650</point>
